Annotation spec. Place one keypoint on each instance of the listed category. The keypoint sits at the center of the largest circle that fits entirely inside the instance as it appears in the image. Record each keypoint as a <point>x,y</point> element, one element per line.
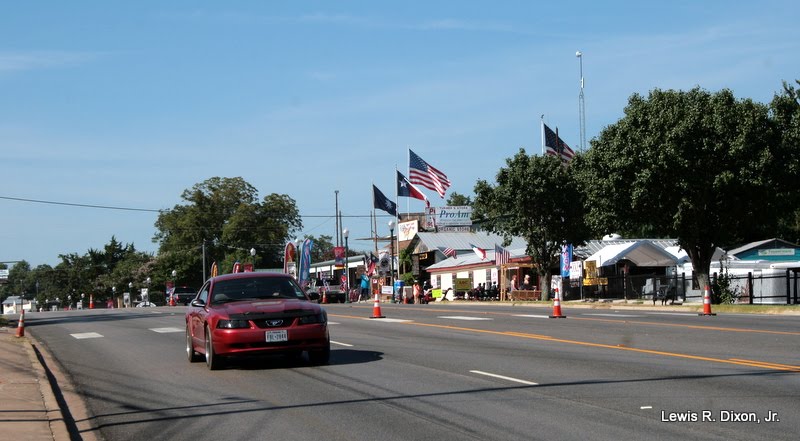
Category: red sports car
<point>254,313</point>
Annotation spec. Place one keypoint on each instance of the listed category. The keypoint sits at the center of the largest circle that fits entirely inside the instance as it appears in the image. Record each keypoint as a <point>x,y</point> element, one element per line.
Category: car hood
<point>276,307</point>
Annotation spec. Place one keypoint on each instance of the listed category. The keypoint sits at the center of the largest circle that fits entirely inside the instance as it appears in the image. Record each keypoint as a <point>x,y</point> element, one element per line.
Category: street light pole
<point>581,105</point>
<point>346,234</point>
<point>253,255</point>
<point>391,257</point>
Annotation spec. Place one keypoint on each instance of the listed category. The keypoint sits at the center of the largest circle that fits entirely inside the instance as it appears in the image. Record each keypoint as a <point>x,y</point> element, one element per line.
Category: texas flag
<point>407,189</point>
<point>480,252</point>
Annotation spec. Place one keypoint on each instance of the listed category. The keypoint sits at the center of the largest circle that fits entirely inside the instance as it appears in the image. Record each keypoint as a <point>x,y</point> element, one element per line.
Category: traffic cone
<point>324,296</point>
<point>172,300</point>
<point>21,324</point>
<point>707,303</point>
<point>91,301</point>
<point>376,308</point>
<point>557,306</point>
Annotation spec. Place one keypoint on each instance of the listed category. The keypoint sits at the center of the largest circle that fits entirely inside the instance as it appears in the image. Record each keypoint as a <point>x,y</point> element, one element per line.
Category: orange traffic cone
<point>376,308</point>
<point>324,296</point>
<point>556,306</point>
<point>91,301</point>
<point>21,324</point>
<point>707,303</point>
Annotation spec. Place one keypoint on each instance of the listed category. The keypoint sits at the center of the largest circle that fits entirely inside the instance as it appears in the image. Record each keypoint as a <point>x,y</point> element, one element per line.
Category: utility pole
<point>581,105</point>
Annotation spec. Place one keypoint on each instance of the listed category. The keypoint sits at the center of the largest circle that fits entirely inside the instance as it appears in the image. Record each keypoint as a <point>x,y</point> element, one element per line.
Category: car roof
<point>251,275</point>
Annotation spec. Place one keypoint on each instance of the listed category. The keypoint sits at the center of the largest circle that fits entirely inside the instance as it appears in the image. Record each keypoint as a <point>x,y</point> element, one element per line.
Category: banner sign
<point>305,263</point>
<point>338,257</point>
<point>566,259</point>
<point>456,216</point>
<point>407,230</point>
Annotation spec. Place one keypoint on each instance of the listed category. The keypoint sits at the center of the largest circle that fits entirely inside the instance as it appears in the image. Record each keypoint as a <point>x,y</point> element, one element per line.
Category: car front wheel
<point>190,352</point>
<point>213,361</point>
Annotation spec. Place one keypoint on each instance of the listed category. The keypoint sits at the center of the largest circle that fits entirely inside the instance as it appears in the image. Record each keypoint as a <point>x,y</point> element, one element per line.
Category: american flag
<point>555,146</point>
<point>501,255</point>
<point>422,173</point>
<point>450,252</point>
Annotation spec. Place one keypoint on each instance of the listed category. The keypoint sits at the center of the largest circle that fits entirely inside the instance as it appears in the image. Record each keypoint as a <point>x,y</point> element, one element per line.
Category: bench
<point>526,294</point>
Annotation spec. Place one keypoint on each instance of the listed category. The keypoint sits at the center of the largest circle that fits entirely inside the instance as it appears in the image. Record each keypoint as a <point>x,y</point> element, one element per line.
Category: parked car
<point>333,291</point>
<point>254,313</point>
<point>183,295</point>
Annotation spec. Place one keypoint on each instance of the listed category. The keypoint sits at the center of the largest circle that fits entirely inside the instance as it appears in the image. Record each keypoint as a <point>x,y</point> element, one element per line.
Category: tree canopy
<point>537,198</point>
<point>697,166</point>
<point>224,216</point>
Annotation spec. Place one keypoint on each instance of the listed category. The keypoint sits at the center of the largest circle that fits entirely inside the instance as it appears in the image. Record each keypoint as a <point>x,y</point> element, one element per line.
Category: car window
<point>204,293</point>
<point>256,289</point>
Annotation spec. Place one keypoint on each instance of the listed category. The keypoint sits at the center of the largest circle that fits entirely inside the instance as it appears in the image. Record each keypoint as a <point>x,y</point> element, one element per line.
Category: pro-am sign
<point>456,216</point>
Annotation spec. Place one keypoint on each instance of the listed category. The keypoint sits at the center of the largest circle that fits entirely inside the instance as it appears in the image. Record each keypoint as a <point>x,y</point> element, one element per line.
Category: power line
<point>148,210</point>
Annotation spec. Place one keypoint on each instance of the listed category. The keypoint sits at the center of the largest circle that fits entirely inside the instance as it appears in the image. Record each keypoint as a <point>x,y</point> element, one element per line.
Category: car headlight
<point>233,324</point>
<point>322,317</point>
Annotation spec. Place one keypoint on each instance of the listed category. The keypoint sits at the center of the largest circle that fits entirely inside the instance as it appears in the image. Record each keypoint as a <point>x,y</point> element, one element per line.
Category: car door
<point>198,315</point>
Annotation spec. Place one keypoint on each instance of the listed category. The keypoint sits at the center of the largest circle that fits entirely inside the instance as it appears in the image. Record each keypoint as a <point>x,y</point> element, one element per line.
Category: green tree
<point>693,165</point>
<point>224,216</point>
<point>785,113</point>
<point>536,198</point>
<point>458,200</point>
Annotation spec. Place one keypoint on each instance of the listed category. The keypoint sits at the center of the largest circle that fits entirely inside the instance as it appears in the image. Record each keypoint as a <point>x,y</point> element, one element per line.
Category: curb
<point>58,426</point>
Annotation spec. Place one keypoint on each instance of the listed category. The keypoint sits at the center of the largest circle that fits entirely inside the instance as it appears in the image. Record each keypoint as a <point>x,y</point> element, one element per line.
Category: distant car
<point>333,292</point>
<point>255,313</point>
<point>183,295</point>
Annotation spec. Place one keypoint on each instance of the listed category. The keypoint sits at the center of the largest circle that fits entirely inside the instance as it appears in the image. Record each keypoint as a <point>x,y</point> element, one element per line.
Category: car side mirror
<point>197,303</point>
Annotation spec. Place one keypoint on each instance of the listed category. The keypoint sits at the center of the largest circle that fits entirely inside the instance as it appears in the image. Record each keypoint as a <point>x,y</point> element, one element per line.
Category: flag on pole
<point>555,146</point>
<point>371,260</point>
<point>424,174</point>
<point>501,255</point>
<point>480,252</point>
<point>381,202</point>
<point>407,189</point>
<point>449,252</point>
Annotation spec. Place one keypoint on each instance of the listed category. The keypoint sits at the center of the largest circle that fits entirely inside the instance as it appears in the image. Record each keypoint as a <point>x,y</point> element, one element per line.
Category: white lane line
<point>646,407</point>
<point>463,317</point>
<point>613,315</point>
<point>166,330</point>
<point>341,344</point>
<point>502,377</point>
<point>673,313</point>
<point>531,315</point>
<point>334,323</point>
<point>84,335</point>
<point>388,320</point>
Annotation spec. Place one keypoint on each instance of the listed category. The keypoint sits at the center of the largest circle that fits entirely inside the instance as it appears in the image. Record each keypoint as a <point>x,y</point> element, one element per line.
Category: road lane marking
<point>766,364</point>
<point>503,377</point>
<point>676,325</point>
<point>463,317</point>
<point>759,364</point>
<point>646,407</point>
<point>613,315</point>
<point>386,320</point>
<point>166,330</point>
<point>85,335</point>
<point>334,323</point>
<point>341,344</point>
<point>532,315</point>
<point>684,314</point>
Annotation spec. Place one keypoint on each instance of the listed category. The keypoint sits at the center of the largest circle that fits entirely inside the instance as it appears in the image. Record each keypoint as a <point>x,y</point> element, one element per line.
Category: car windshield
<point>256,289</point>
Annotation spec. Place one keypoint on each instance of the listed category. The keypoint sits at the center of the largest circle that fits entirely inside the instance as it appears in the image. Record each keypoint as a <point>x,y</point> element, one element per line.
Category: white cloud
<point>22,61</point>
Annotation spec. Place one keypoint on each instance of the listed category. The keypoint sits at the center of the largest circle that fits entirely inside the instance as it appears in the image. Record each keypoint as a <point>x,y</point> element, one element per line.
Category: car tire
<point>320,357</point>
<point>213,361</point>
<point>193,356</point>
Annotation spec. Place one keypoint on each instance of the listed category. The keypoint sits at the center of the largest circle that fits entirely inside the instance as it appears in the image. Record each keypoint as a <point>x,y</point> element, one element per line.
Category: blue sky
<point>127,104</point>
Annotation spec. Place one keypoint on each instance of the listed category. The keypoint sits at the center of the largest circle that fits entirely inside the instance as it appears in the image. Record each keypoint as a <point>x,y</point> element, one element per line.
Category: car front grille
<point>274,322</point>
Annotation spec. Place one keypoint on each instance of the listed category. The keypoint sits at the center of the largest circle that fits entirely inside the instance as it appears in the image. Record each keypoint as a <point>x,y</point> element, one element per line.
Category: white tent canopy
<point>641,253</point>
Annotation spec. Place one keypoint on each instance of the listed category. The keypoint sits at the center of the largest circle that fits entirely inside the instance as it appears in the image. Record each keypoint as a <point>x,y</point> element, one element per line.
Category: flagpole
<point>542,130</point>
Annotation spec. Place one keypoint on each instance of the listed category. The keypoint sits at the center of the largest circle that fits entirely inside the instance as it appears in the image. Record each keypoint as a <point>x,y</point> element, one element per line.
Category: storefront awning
<point>641,253</point>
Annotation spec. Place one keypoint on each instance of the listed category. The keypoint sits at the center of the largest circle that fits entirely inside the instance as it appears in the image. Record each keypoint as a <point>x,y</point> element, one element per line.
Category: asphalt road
<point>443,372</point>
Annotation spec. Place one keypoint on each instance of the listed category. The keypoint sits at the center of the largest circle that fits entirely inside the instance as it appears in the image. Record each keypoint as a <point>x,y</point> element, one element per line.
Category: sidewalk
<point>28,407</point>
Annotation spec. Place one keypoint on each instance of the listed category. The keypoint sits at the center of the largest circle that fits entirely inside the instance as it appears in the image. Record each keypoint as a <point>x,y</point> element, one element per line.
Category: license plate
<point>274,336</point>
